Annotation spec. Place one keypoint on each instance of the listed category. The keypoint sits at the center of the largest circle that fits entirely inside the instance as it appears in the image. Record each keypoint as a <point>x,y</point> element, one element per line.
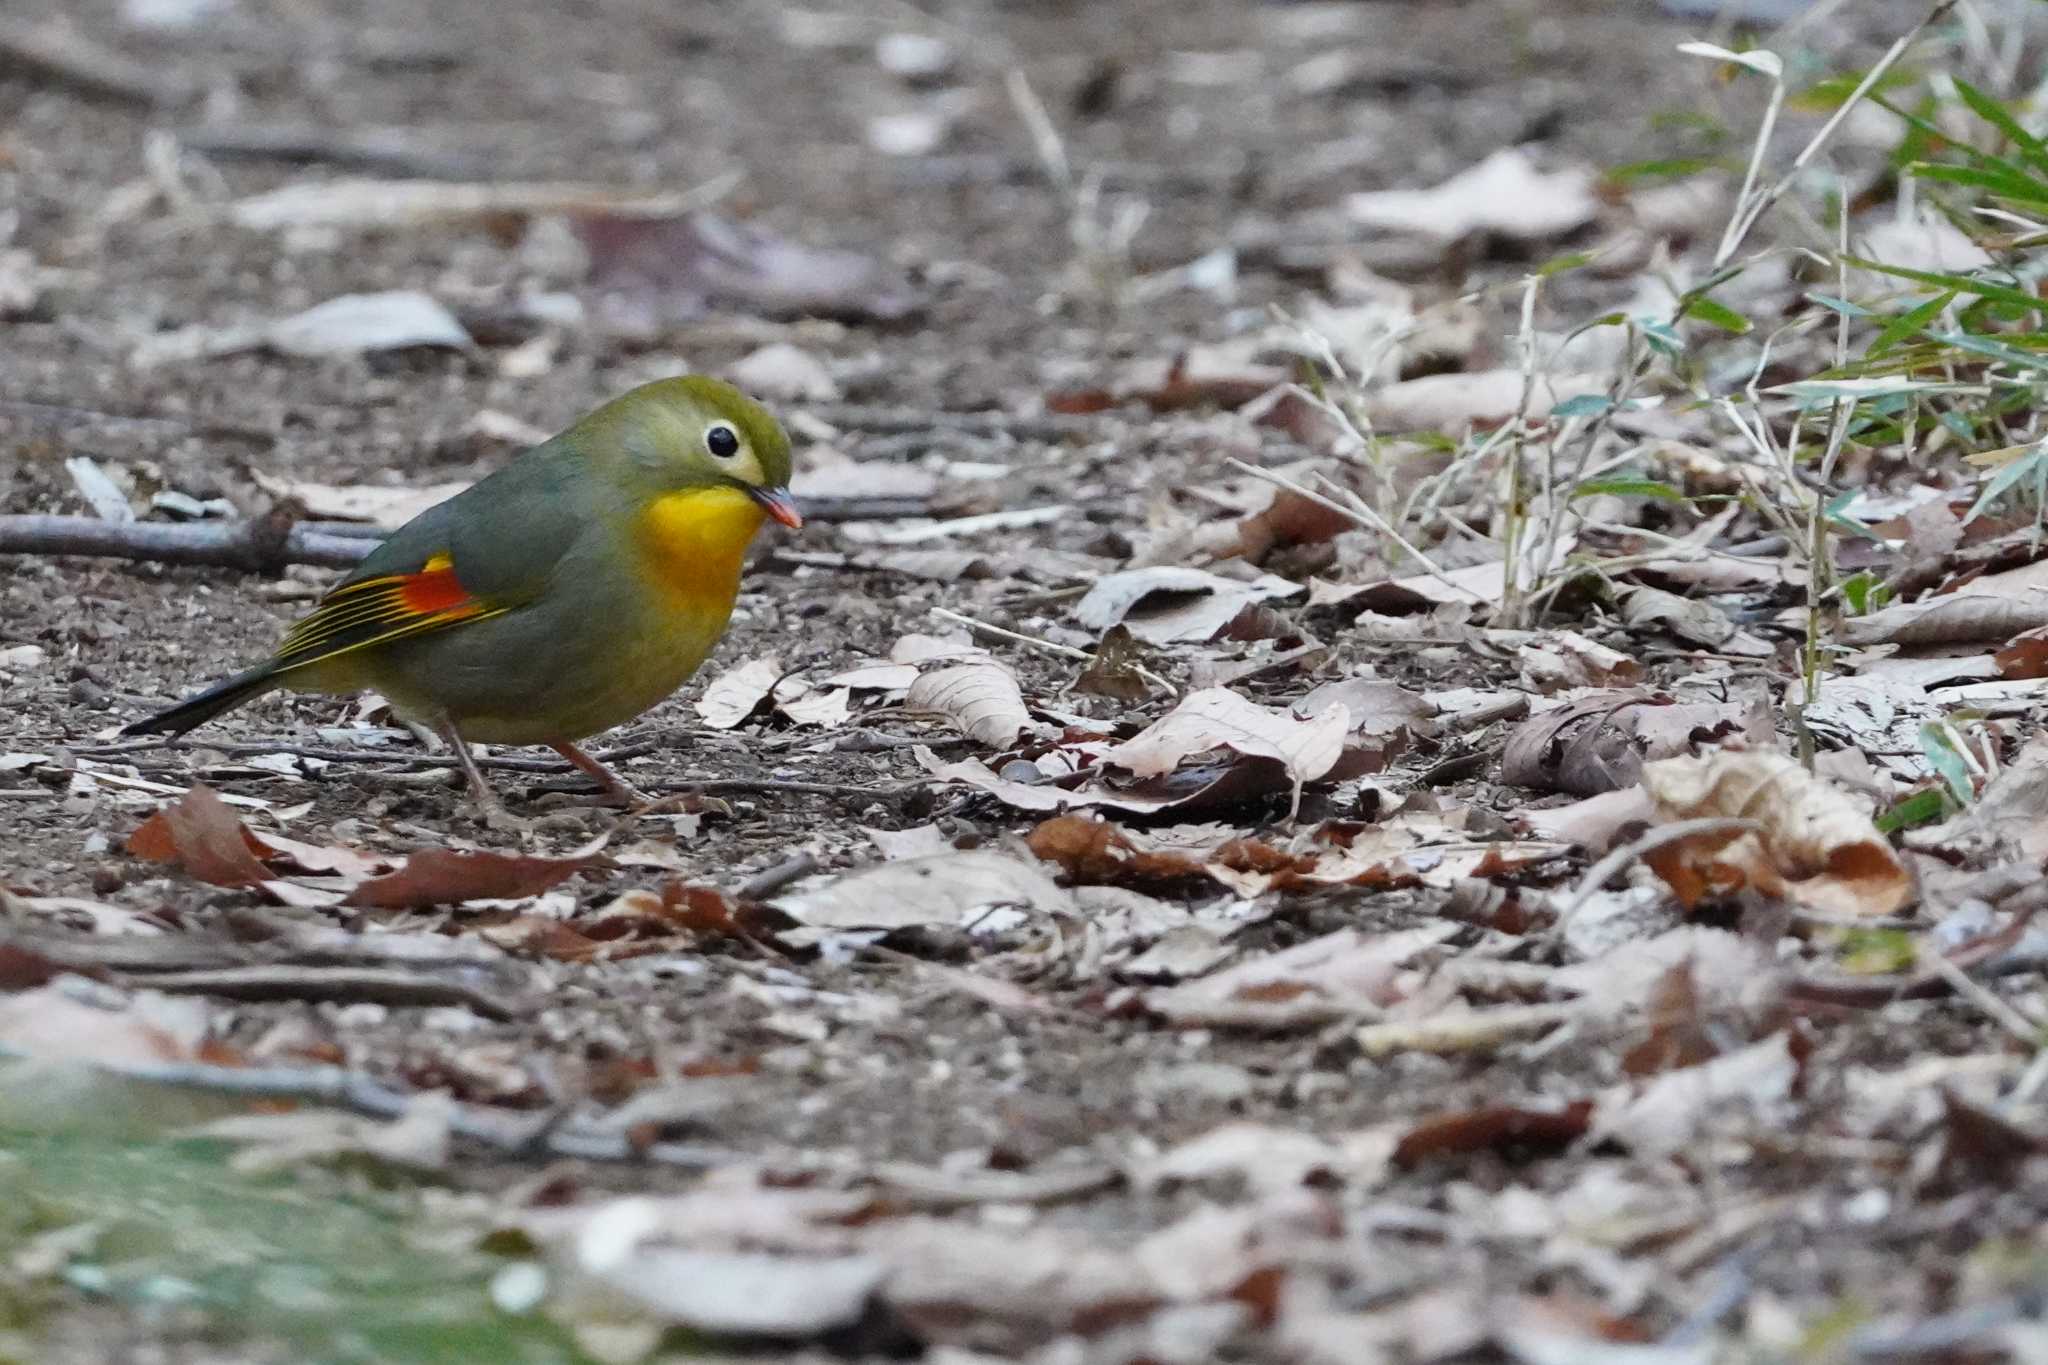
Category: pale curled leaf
<point>1504,194</point>
<point>738,692</point>
<point>1217,718</point>
<point>379,504</point>
<point>1166,605</point>
<point>981,699</point>
<point>1813,844</point>
<point>948,888</point>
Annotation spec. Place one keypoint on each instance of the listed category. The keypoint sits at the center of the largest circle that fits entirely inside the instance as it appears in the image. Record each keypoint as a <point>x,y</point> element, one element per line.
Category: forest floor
<point>957,1008</point>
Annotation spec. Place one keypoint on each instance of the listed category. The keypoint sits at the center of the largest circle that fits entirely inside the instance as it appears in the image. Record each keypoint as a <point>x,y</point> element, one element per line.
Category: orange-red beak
<point>777,503</point>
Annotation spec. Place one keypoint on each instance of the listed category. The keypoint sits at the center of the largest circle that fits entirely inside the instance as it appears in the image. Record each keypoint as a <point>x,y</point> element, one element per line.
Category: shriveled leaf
<point>441,876</point>
<point>1565,659</point>
<point>981,699</point>
<point>381,505</point>
<point>350,325</point>
<point>651,273</point>
<point>1510,1130</point>
<point>734,695</point>
<point>1813,844</point>
<point>1598,743</point>
<point>1217,718</point>
<point>1504,194</point>
<point>1168,605</point>
<point>1337,976</point>
<point>949,888</point>
<point>202,835</point>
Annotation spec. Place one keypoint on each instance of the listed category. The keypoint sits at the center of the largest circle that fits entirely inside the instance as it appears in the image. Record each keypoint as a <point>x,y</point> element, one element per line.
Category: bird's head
<point>693,433</point>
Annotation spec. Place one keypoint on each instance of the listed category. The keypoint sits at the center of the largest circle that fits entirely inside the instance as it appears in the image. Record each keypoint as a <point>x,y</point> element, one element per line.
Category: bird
<point>568,592</point>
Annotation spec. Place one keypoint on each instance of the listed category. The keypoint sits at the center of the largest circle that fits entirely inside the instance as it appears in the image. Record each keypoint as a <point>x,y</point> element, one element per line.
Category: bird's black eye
<point>722,441</point>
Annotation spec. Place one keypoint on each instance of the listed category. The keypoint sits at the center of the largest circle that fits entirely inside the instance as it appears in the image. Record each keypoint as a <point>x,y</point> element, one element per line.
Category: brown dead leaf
<point>1598,743</point>
<point>1565,659</point>
<point>1813,843</point>
<point>200,833</point>
<point>982,700</point>
<point>1513,1131</point>
<point>1289,519</point>
<point>445,876</point>
<point>651,273</point>
<point>1113,669</point>
<point>2024,656</point>
<point>1096,852</point>
<point>1679,1035</point>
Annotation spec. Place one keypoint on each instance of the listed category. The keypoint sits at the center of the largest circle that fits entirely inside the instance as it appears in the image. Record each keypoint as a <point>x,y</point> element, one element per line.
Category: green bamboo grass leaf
<point>1992,112</point>
<point>1718,314</point>
<point>1909,323</point>
<point>1962,284</point>
<point>1842,306</point>
<point>2019,189</point>
<point>1583,405</point>
<point>1996,350</point>
<point>2033,464</point>
<point>1629,488</point>
<point>1921,808</point>
<point>1670,168</point>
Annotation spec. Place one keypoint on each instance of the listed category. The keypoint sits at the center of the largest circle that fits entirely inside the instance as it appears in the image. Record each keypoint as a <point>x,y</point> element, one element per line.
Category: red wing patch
<point>376,610</point>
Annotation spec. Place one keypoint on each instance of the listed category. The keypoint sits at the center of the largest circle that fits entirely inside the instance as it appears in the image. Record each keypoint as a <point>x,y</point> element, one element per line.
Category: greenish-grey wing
<point>489,549</point>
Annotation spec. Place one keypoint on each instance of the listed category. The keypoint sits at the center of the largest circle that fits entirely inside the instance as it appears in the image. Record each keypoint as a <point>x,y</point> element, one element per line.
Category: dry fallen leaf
<point>1217,718</point>
<point>385,506</point>
<point>738,692</point>
<point>950,889</point>
<point>981,699</point>
<point>1338,976</point>
<point>1813,843</point>
<point>350,325</point>
<point>199,832</point>
<point>1504,194</point>
<point>409,203</point>
<point>1598,742</point>
<point>446,876</point>
<point>651,273</point>
<point>1169,605</point>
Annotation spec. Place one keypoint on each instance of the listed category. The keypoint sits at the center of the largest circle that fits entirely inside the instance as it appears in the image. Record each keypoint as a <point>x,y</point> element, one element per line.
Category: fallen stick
<point>56,53</point>
<point>391,151</point>
<point>261,546</point>
<point>284,981</point>
<point>258,546</point>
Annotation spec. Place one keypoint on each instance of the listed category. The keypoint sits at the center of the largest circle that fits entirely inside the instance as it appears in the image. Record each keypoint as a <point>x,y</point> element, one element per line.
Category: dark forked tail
<point>201,707</point>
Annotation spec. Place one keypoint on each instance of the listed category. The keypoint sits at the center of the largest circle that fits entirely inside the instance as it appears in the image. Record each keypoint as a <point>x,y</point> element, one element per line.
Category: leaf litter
<point>1518,874</point>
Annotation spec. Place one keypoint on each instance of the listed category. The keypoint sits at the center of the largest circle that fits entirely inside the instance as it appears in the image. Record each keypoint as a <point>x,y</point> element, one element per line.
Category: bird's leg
<point>494,812</point>
<point>617,789</point>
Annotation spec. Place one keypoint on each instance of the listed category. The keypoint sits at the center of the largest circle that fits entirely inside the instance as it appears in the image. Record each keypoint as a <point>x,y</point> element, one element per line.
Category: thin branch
<point>257,546</point>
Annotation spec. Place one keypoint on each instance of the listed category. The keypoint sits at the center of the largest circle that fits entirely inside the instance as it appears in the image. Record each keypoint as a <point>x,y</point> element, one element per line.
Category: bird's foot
<point>617,790</point>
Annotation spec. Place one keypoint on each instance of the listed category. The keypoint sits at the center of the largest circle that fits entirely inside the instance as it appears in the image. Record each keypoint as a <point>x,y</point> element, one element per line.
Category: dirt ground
<point>1195,109</point>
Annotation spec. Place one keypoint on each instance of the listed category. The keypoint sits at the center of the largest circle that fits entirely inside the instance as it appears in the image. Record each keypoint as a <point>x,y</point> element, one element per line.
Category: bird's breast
<point>693,544</point>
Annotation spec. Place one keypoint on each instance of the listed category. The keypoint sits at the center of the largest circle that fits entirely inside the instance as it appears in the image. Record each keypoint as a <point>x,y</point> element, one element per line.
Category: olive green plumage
<point>563,594</point>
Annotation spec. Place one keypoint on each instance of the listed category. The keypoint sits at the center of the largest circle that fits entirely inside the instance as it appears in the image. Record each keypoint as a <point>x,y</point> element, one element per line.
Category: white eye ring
<point>721,440</point>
